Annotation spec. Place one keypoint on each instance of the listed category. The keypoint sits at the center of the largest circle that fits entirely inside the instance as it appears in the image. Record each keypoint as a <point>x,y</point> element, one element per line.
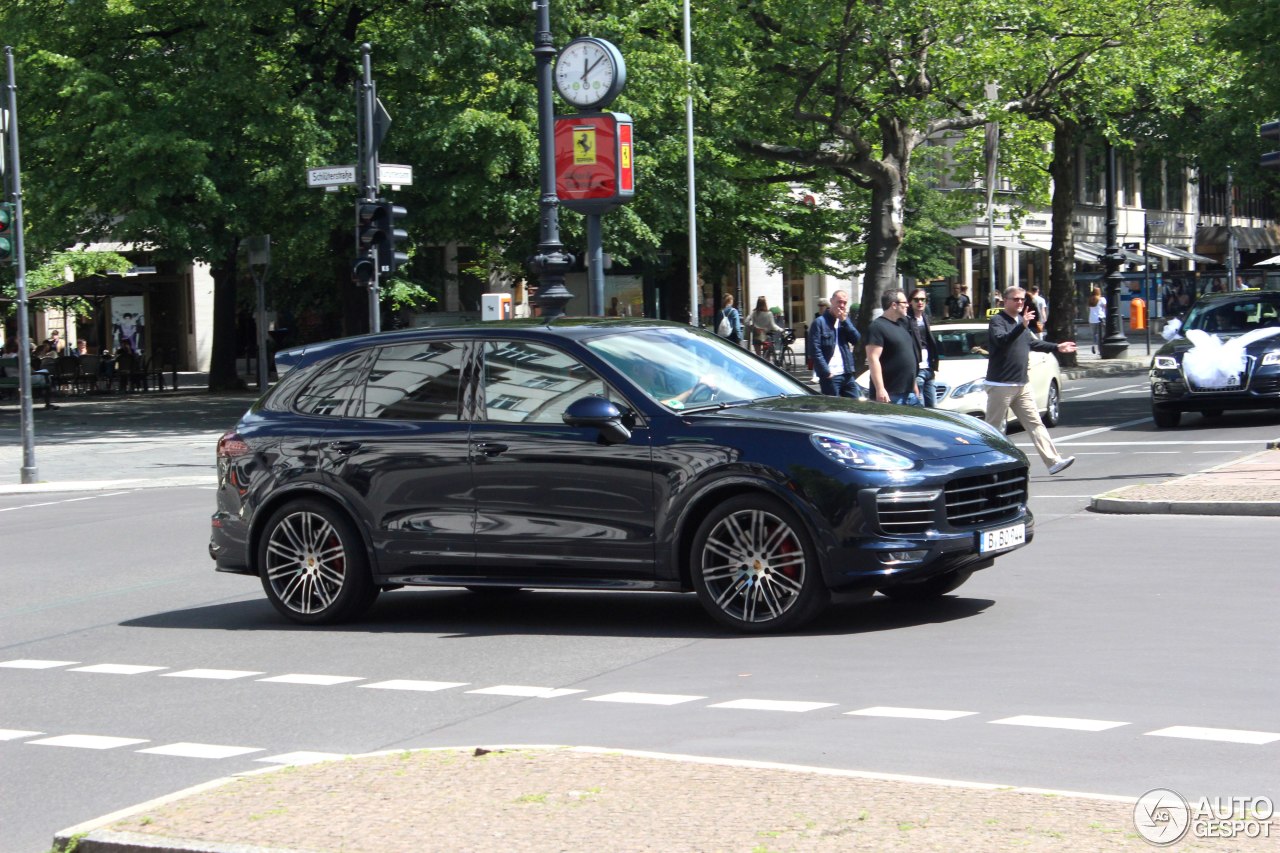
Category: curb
<point>1121,506</point>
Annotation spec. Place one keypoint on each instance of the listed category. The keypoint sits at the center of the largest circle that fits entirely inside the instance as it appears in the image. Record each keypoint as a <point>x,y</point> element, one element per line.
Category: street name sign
<point>392,175</point>
<point>331,176</point>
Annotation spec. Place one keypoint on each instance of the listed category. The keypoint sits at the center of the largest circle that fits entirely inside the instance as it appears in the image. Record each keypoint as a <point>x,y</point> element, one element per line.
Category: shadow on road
<point>460,613</point>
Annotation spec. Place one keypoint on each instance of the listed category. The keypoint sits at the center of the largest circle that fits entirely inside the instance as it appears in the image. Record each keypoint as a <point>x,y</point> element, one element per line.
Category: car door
<point>400,454</point>
<point>554,500</point>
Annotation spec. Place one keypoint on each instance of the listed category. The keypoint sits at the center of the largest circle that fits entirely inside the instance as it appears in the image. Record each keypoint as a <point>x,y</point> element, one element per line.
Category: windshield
<point>683,368</point>
<point>961,343</point>
<point>1235,316</point>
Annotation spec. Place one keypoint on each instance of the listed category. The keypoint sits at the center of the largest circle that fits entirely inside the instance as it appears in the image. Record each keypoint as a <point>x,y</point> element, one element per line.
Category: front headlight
<point>969,388</point>
<point>858,454</point>
<point>1164,362</point>
<point>1271,358</point>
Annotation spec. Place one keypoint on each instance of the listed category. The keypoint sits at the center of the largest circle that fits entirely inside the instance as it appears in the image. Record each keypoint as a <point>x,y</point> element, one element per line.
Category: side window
<point>415,382</point>
<point>332,392</point>
<point>534,384</point>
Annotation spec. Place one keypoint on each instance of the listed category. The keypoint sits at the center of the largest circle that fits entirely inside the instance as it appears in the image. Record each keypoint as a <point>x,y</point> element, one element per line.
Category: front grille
<point>1266,384</point>
<point>986,498</point>
<point>942,389</point>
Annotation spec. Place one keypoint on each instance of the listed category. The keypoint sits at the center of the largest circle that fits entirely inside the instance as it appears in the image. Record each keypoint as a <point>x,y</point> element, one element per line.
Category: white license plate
<point>1001,538</point>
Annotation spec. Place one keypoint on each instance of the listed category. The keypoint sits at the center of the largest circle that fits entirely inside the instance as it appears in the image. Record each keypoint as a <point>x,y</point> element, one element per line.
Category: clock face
<point>589,72</point>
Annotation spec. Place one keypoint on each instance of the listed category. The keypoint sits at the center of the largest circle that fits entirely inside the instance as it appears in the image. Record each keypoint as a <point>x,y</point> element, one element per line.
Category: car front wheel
<point>313,564</point>
<point>1165,418</point>
<point>754,568</point>
<point>1053,406</point>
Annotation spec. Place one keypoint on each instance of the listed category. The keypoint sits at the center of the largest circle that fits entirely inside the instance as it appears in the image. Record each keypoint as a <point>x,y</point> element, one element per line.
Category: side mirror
<point>599,413</point>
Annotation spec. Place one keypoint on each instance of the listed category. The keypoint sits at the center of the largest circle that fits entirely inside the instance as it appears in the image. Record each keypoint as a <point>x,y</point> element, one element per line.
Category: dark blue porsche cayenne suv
<point>599,454</point>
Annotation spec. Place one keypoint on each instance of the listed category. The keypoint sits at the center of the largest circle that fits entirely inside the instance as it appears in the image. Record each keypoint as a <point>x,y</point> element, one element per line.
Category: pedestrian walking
<point>893,354</point>
<point>830,347</point>
<point>918,320</point>
<point>959,305</point>
<point>1040,322</point>
<point>1097,315</point>
<point>762,323</point>
<point>1010,344</point>
<point>728,321</point>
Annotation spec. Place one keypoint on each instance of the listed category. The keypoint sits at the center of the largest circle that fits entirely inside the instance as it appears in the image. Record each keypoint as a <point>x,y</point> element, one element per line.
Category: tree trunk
<point>223,375</point>
<point>885,230</point>
<point>1062,285</point>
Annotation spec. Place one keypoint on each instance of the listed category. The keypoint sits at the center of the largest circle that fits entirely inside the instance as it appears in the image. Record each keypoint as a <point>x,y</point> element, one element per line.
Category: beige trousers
<point>1002,398</point>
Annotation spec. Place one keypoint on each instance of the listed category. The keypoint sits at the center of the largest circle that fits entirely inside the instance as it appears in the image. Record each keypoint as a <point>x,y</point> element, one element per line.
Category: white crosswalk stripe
<point>1224,735</point>
<point>1059,723</point>
<point>88,741</point>
<point>772,705</point>
<point>215,674</point>
<point>319,680</point>
<point>37,664</point>
<point>644,698</point>
<point>910,713</point>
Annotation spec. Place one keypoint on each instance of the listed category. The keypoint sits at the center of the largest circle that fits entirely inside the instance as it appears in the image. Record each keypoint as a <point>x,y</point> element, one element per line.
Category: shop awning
<point>1269,262</point>
<point>1101,251</point>
<point>1173,253</point>
<point>1247,239</point>
<point>1006,243</point>
<point>1081,255</point>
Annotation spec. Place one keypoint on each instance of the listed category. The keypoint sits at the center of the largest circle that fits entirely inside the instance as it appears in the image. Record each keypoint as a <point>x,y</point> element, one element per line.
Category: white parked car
<point>963,368</point>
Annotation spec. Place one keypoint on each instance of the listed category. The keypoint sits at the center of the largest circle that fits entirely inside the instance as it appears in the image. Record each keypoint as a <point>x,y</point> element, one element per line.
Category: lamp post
<point>1146,271</point>
<point>695,304</point>
<point>551,262</point>
<point>1114,345</point>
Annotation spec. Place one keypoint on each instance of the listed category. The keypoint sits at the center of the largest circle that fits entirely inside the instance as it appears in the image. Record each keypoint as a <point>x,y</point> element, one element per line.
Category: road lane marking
<point>117,668</point>
<point>1059,723</point>
<point>1144,386</point>
<point>88,741</point>
<point>528,692</point>
<point>1101,430</point>
<point>909,713</point>
<point>201,750</point>
<point>321,680</point>
<point>216,674</point>
<point>37,664</point>
<point>301,757</point>
<point>1225,735</point>
<point>644,698</point>
<point>408,684</point>
<point>772,705</point>
<point>17,734</point>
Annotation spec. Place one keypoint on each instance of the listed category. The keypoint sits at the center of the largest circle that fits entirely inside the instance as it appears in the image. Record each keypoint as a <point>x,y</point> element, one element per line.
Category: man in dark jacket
<point>830,346</point>
<point>918,320</point>
<point>1011,343</point>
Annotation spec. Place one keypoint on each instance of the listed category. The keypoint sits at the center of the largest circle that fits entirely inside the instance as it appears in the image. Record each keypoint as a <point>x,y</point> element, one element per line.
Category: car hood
<point>914,432</point>
<point>1254,342</point>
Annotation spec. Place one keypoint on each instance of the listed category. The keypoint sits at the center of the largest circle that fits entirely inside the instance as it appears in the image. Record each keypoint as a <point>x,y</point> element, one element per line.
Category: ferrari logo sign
<point>584,146</point>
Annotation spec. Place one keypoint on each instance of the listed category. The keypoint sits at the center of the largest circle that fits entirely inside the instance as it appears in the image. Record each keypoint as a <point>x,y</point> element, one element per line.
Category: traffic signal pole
<point>369,177</point>
<point>26,426</point>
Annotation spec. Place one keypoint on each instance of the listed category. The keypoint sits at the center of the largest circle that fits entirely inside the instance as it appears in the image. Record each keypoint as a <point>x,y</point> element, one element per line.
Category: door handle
<point>344,447</point>
<point>490,448</point>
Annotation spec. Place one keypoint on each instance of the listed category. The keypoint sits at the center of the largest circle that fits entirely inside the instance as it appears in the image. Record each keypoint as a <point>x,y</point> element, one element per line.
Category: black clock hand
<point>599,59</point>
<point>586,69</point>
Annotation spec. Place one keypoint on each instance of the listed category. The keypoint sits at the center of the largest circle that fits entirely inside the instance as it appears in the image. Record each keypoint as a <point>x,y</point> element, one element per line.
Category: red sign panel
<point>594,168</point>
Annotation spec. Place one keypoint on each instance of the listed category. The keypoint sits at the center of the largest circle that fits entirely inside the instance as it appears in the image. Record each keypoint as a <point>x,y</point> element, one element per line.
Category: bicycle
<point>777,350</point>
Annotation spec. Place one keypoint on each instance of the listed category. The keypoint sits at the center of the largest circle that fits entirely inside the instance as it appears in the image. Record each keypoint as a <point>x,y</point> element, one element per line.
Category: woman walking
<point>1097,316</point>
<point>762,323</point>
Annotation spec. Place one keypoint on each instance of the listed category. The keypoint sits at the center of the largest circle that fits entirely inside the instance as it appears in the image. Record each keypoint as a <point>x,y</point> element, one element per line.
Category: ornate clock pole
<point>551,262</point>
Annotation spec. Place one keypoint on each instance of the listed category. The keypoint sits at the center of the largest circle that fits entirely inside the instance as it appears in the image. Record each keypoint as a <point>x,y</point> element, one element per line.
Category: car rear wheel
<point>1165,418</point>
<point>932,588</point>
<point>313,564</point>
<point>754,568</point>
<point>1053,406</point>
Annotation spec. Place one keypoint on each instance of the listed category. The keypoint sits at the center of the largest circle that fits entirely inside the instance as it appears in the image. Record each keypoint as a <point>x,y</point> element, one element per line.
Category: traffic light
<point>1270,130</point>
<point>362,272</point>
<point>376,229</point>
<point>6,231</point>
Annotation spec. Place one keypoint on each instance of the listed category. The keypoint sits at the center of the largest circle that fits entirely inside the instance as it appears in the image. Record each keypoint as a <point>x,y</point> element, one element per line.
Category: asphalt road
<point>1114,655</point>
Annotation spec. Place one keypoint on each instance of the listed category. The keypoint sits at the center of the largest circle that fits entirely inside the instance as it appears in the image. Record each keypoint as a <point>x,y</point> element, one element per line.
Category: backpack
<point>724,329</point>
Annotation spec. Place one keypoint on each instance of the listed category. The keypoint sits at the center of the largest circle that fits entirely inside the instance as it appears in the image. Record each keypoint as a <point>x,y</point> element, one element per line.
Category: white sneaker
<point>1061,465</point>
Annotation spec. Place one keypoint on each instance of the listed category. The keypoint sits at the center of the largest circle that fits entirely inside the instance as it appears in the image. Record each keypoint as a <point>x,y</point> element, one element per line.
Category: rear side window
<point>333,391</point>
<point>534,384</point>
<point>415,382</point>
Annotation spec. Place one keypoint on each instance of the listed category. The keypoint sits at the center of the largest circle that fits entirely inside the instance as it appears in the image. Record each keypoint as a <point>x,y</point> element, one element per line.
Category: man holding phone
<point>1011,344</point>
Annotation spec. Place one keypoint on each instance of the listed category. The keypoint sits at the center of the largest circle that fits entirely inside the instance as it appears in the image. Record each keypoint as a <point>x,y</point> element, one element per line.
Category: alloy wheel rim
<point>306,562</point>
<point>753,566</point>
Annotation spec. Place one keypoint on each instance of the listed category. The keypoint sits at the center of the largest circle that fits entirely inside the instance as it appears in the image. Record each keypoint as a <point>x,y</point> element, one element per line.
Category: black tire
<point>754,568</point>
<point>1052,414</point>
<point>934,587</point>
<point>1166,418</point>
<point>790,362</point>
<point>313,564</point>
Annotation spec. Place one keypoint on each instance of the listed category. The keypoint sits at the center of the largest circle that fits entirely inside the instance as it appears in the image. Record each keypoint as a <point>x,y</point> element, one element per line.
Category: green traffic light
<point>6,248</point>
